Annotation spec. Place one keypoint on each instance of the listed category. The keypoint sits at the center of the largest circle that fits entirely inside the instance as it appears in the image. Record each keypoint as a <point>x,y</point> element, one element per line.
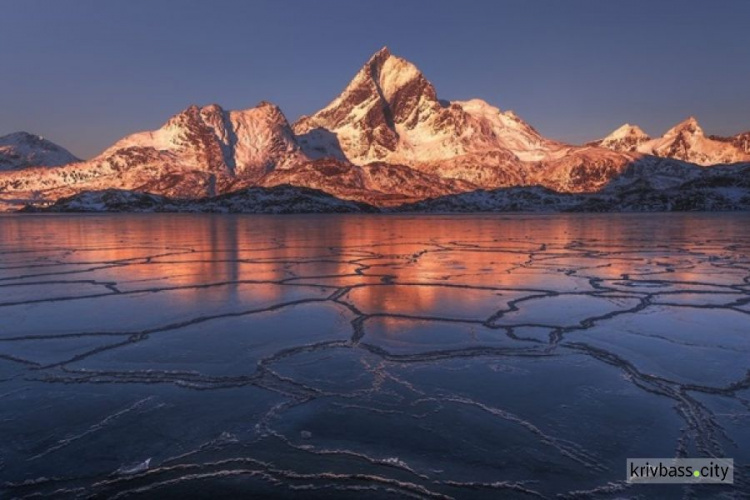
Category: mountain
<point>22,150</point>
<point>386,140</point>
<point>391,113</point>
<point>199,152</point>
<point>724,188</point>
<point>685,141</point>
<point>246,143</point>
<point>627,138</point>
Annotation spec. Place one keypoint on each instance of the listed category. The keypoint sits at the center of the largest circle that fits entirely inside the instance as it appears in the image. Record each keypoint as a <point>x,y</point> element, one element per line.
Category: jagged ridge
<point>685,141</point>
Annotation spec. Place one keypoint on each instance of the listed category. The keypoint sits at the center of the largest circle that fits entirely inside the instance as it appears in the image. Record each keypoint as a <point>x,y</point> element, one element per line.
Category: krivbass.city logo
<point>680,470</point>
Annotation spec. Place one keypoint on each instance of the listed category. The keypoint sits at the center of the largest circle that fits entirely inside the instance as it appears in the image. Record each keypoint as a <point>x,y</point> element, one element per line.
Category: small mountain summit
<point>22,149</point>
<point>687,127</point>
<point>626,139</point>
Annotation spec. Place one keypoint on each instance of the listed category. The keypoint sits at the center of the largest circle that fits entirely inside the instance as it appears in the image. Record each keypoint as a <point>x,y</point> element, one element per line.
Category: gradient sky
<point>85,73</point>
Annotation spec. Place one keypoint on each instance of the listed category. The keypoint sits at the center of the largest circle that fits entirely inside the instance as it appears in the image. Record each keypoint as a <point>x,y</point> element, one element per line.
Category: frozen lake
<point>513,356</point>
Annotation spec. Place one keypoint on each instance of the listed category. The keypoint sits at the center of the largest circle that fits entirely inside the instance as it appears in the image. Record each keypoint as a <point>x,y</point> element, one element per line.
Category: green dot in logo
<point>696,473</point>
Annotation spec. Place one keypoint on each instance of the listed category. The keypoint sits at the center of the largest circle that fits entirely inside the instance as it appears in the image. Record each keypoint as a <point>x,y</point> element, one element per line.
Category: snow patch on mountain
<point>627,139</point>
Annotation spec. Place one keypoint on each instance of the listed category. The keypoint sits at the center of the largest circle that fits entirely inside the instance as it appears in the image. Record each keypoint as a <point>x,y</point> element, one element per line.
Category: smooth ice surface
<point>490,356</point>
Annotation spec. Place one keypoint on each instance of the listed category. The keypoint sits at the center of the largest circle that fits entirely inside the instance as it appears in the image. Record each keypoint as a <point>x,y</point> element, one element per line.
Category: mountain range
<point>386,141</point>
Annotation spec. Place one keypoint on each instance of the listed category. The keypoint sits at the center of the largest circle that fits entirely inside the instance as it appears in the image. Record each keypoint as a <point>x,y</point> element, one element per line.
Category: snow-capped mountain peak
<point>688,126</point>
<point>626,138</point>
<point>628,131</point>
<point>364,123</point>
<point>263,140</point>
<point>394,75</point>
<point>22,149</point>
<point>687,141</point>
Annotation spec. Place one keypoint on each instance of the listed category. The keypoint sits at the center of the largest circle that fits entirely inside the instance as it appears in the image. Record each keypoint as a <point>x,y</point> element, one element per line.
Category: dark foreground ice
<point>178,356</point>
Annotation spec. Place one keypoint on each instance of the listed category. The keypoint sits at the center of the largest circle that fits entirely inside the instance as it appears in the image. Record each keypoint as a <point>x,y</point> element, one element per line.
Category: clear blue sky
<point>86,72</point>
